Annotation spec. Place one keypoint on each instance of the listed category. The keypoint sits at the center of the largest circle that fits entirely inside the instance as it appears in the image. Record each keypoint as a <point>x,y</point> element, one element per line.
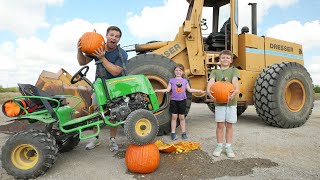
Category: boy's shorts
<point>178,107</point>
<point>226,114</point>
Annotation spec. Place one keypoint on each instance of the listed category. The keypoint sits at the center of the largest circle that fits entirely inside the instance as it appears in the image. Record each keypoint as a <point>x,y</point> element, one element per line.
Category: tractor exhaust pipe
<point>253,17</point>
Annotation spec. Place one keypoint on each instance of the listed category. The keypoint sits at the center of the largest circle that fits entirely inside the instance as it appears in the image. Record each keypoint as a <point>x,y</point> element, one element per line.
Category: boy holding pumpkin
<point>109,55</point>
<point>225,113</point>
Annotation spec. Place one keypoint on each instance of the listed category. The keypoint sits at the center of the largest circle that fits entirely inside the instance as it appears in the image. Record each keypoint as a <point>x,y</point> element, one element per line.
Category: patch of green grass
<point>7,96</point>
<point>317,96</point>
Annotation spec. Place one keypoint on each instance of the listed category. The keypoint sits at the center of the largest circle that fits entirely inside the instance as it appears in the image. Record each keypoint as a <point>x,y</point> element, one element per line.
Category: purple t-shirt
<point>178,89</point>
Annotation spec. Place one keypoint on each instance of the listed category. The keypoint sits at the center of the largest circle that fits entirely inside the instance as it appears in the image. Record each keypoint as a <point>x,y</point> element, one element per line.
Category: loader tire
<point>158,69</point>
<point>283,95</point>
<point>141,127</point>
<point>240,109</point>
<point>29,154</point>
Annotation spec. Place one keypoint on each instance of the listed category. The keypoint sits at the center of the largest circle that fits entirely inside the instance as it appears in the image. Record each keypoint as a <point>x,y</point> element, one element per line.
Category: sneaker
<point>184,136</point>
<point>230,153</point>
<point>174,136</point>
<point>113,145</point>
<point>93,143</point>
<point>217,151</point>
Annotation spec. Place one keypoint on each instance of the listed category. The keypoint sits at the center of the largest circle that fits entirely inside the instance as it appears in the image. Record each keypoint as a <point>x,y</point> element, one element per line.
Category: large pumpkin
<point>142,159</point>
<point>221,91</point>
<point>91,41</point>
<point>11,109</point>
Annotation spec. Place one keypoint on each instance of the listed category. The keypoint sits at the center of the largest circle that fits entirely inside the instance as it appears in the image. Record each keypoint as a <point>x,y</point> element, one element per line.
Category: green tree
<point>317,89</point>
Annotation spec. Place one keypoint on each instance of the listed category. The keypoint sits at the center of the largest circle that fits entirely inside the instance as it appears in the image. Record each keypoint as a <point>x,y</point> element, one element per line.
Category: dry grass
<point>7,96</point>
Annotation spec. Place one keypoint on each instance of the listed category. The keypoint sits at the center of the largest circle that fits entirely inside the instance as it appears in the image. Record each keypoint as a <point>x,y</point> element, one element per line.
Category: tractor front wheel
<point>141,127</point>
<point>29,154</point>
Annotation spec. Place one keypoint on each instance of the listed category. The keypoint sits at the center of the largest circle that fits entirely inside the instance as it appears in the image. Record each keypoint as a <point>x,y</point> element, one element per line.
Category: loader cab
<point>221,19</point>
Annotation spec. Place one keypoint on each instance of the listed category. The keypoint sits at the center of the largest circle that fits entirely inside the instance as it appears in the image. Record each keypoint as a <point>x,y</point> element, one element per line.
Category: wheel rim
<point>143,127</point>
<point>295,95</point>
<point>24,156</point>
<point>158,83</point>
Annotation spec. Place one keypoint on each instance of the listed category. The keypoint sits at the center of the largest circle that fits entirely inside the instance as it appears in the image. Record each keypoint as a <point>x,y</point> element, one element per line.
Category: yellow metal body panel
<point>282,51</point>
<point>249,60</point>
<point>246,86</point>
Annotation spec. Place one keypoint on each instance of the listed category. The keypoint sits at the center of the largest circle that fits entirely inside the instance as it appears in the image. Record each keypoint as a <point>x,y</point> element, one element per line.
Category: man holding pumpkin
<point>113,59</point>
<point>226,111</point>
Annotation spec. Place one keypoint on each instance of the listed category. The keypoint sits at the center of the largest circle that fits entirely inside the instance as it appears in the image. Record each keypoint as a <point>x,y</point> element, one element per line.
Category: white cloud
<point>161,22</point>
<point>306,34</point>
<point>24,17</point>
<point>314,69</point>
<point>263,7</point>
<point>25,58</point>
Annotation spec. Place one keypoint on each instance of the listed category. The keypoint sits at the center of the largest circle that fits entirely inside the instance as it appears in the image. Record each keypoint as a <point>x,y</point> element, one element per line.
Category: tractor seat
<point>30,90</point>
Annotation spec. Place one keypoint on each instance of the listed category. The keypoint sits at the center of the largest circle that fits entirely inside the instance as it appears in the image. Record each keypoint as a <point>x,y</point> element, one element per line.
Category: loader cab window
<point>217,37</point>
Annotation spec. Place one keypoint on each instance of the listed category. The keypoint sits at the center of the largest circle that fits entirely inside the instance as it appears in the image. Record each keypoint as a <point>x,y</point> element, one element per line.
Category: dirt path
<point>262,152</point>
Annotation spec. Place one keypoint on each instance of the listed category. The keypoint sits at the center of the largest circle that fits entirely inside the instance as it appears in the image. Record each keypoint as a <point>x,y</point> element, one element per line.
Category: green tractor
<point>129,101</point>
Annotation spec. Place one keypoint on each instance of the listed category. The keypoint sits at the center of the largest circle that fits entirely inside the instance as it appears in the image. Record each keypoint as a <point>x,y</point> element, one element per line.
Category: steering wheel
<point>81,74</point>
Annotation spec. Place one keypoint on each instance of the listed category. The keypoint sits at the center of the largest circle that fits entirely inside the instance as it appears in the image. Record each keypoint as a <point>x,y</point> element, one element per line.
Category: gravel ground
<point>262,152</point>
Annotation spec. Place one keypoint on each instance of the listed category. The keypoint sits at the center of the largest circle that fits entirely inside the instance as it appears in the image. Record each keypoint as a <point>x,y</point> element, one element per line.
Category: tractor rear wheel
<point>29,154</point>
<point>283,95</point>
<point>141,127</point>
<point>158,69</point>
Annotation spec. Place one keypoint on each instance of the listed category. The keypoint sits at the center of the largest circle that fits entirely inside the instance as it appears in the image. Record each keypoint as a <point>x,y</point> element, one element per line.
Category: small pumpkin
<point>142,159</point>
<point>91,41</point>
<point>221,91</point>
<point>11,109</point>
<point>163,147</point>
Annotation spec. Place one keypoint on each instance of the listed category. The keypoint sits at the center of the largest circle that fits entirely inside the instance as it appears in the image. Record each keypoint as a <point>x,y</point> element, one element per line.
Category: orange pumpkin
<point>142,159</point>
<point>221,91</point>
<point>91,41</point>
<point>11,109</point>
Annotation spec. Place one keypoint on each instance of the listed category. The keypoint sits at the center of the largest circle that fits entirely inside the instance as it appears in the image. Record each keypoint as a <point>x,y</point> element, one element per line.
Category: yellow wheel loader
<point>272,75</point>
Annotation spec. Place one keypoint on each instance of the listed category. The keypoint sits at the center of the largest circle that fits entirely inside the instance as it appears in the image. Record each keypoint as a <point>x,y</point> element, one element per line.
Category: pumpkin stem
<point>94,30</point>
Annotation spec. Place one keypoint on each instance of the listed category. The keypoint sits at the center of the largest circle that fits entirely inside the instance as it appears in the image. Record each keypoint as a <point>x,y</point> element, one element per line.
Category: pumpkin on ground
<point>91,41</point>
<point>142,159</point>
<point>221,91</point>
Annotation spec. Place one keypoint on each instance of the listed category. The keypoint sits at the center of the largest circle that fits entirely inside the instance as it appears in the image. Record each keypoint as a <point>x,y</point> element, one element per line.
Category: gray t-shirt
<point>114,58</point>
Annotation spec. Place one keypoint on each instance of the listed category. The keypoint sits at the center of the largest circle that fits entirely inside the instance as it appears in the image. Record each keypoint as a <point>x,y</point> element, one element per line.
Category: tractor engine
<point>121,107</point>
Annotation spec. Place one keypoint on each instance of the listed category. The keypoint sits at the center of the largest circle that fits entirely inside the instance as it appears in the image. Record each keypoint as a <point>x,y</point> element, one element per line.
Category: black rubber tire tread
<point>69,144</point>
<point>129,127</point>
<point>269,95</point>
<point>153,64</point>
<point>240,109</point>
<point>44,143</point>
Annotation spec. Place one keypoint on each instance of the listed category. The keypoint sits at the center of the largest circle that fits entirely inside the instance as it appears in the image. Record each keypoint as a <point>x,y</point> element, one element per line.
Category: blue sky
<point>43,35</point>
